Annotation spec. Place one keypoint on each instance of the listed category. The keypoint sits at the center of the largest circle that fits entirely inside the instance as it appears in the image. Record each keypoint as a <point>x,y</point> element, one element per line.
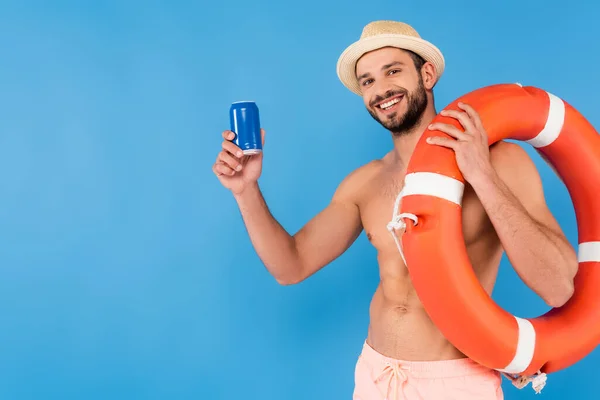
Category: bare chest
<point>377,207</point>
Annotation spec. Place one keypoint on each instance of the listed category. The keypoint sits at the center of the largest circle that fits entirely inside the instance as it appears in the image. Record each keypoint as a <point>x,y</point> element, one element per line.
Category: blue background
<point>126,269</point>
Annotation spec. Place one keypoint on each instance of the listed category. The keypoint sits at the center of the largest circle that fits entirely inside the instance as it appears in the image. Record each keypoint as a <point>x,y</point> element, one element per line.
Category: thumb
<point>262,136</point>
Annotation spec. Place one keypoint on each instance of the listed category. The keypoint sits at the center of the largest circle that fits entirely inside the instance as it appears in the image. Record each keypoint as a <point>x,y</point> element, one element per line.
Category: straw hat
<point>380,34</point>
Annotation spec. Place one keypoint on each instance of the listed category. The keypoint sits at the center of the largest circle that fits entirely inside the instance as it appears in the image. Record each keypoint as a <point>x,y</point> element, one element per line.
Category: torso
<point>400,327</point>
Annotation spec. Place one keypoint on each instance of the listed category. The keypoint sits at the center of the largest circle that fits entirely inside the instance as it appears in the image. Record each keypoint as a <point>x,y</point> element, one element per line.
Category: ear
<point>429,75</point>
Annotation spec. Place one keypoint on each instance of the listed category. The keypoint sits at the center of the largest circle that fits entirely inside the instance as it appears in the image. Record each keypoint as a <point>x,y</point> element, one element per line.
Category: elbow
<point>287,280</point>
<point>561,294</point>
<point>564,288</point>
<point>290,278</point>
<point>559,299</point>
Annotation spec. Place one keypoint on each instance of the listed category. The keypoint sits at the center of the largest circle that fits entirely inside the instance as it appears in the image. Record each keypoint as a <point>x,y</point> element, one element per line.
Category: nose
<point>382,90</point>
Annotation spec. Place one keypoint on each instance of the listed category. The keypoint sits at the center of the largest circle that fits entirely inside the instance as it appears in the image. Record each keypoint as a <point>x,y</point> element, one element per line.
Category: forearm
<point>543,259</point>
<point>274,246</point>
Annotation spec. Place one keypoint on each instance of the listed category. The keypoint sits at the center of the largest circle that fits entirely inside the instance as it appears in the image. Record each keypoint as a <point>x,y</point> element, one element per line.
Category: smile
<point>388,104</point>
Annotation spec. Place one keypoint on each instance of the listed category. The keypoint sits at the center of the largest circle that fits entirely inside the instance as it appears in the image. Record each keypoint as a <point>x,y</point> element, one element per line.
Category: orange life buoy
<point>435,252</point>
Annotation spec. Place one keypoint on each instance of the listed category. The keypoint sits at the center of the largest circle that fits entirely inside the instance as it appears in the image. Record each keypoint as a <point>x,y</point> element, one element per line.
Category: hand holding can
<point>239,163</point>
<point>245,124</point>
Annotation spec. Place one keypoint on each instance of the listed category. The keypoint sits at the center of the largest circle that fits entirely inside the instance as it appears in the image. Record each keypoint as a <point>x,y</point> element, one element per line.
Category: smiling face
<point>393,88</point>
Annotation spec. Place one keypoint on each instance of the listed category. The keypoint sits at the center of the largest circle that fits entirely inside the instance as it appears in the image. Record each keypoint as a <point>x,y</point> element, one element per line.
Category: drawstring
<point>538,381</point>
<point>396,372</point>
<point>397,222</point>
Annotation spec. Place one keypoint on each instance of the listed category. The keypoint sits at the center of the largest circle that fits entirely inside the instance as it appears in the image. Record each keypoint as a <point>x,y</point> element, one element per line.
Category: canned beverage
<point>245,123</point>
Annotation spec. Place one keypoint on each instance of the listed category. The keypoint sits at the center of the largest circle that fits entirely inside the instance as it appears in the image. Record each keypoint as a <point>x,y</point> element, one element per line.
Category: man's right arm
<point>291,259</point>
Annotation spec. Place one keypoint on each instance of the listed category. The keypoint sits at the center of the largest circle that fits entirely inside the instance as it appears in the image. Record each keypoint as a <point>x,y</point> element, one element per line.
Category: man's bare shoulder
<point>507,158</point>
<point>518,171</point>
<point>357,181</point>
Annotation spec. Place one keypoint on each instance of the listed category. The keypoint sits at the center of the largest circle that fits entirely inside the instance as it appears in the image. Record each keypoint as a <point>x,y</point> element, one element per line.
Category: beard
<point>402,124</point>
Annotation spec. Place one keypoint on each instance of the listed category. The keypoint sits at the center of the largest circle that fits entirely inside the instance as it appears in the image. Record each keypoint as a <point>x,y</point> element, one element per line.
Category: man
<point>404,354</point>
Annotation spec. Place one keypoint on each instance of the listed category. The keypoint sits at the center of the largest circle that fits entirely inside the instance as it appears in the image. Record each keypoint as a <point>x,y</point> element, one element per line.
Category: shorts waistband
<point>426,369</point>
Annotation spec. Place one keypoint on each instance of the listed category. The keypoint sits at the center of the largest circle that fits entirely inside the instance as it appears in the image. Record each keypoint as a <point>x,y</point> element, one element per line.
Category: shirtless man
<point>405,355</point>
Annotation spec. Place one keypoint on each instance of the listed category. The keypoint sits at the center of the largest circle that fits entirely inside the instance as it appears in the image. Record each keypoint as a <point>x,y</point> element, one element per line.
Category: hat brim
<point>346,66</point>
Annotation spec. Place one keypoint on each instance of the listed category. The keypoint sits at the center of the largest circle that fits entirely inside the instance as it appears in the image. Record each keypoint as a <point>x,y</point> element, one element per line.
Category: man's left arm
<point>509,187</point>
<point>512,194</point>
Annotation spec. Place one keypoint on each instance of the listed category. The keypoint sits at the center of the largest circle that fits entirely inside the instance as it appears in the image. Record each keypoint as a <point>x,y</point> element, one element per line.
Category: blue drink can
<point>245,123</point>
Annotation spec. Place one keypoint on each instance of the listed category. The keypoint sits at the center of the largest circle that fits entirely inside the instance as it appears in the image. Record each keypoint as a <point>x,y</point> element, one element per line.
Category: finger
<point>450,130</point>
<point>230,161</point>
<point>228,135</point>
<point>232,148</point>
<point>221,169</point>
<point>474,115</point>
<point>444,142</point>
<point>463,118</point>
<point>215,169</point>
<point>262,136</point>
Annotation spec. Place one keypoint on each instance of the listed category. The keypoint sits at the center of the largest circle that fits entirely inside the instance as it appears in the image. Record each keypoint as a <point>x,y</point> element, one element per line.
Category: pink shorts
<point>378,377</point>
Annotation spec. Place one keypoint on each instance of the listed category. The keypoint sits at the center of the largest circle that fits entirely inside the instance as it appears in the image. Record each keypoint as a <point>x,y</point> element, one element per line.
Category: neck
<point>405,143</point>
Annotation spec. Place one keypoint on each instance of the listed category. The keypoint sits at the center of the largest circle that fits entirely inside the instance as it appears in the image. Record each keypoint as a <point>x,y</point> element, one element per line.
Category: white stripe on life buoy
<point>432,184</point>
<point>554,123</point>
<point>525,348</point>
<point>589,252</point>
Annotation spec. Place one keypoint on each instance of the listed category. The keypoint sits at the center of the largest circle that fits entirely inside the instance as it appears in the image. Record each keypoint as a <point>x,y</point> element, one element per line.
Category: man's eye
<point>393,71</point>
<point>367,81</point>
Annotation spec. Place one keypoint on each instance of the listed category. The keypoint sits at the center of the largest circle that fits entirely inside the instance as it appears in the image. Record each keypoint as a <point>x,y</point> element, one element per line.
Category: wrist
<point>482,177</point>
<point>249,190</point>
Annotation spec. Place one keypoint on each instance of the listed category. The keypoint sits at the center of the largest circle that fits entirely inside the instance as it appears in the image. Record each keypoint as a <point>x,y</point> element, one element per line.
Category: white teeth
<point>388,104</point>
